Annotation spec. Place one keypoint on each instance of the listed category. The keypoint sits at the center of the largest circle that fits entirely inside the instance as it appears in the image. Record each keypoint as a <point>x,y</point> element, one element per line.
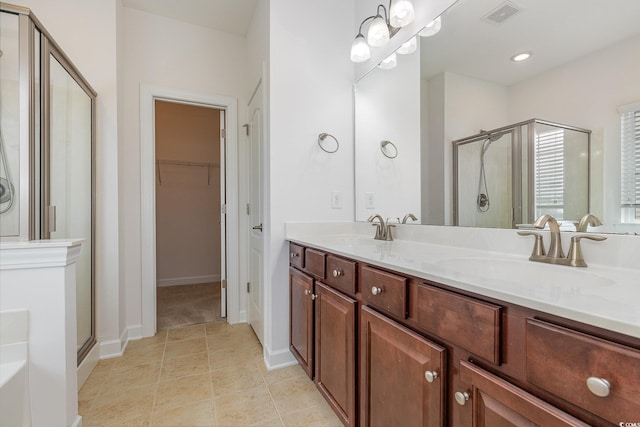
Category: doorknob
<point>257,227</point>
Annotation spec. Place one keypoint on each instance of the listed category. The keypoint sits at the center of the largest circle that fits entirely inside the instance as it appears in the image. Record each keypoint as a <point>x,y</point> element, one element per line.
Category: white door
<point>223,218</point>
<point>254,210</point>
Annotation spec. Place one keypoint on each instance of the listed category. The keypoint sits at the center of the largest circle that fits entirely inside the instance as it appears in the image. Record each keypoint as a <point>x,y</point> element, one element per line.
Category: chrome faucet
<point>380,229</point>
<point>407,217</point>
<point>383,231</point>
<point>555,246</point>
<point>586,221</point>
<point>555,255</point>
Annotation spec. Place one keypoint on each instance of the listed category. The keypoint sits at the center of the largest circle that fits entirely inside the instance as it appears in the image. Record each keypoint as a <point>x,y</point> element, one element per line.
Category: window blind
<point>549,167</point>
<point>630,158</point>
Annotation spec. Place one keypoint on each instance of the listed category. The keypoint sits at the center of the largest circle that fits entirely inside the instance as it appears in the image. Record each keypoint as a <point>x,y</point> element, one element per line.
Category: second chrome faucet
<point>556,255</point>
<point>383,230</point>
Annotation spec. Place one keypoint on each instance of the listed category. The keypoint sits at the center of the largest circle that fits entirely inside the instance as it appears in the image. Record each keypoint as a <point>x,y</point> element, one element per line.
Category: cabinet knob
<point>376,291</point>
<point>431,376</point>
<point>599,386</point>
<point>307,291</point>
<point>314,296</point>
<point>461,397</point>
<point>294,254</point>
<point>337,273</point>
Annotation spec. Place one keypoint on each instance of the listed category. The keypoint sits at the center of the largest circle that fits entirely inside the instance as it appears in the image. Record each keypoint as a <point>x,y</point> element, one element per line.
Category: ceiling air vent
<point>500,14</point>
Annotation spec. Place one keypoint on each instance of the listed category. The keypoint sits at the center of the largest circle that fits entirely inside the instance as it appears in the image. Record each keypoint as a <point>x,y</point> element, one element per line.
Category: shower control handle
<point>52,219</point>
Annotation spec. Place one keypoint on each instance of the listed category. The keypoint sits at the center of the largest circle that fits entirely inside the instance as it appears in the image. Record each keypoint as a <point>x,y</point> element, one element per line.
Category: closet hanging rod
<point>185,163</point>
<point>207,165</point>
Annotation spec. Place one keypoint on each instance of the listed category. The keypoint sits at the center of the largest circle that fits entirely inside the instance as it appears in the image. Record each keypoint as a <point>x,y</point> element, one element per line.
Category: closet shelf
<point>207,165</point>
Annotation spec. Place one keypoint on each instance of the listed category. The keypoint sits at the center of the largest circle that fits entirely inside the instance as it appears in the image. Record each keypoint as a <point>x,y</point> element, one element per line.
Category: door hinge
<point>223,209</point>
<point>248,209</point>
<point>248,287</point>
<point>223,133</point>
<point>223,284</point>
<point>246,128</point>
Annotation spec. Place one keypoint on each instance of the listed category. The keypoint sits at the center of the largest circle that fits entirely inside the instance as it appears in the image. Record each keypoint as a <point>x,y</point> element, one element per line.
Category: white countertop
<point>603,296</point>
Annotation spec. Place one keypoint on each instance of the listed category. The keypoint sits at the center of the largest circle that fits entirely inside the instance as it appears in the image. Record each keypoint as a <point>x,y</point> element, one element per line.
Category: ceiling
<point>555,31</point>
<point>230,16</point>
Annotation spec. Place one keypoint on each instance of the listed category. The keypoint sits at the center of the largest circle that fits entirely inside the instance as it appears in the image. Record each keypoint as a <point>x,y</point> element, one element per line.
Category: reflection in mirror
<point>582,72</point>
<point>508,177</point>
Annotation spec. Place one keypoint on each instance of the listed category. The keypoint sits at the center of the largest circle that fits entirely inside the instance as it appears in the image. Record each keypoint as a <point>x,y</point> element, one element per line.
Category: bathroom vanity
<point>410,333</point>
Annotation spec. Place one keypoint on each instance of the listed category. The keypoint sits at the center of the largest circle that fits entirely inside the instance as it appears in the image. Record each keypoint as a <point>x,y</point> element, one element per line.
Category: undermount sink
<point>354,240</point>
<point>525,272</point>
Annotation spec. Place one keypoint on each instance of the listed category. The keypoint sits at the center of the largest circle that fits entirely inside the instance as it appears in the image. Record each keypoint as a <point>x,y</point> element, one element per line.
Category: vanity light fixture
<point>407,47</point>
<point>522,56</point>
<point>382,27</point>
<point>389,62</point>
<point>432,28</point>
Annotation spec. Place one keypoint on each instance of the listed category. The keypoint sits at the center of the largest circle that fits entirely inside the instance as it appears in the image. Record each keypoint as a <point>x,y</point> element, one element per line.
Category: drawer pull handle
<point>461,397</point>
<point>599,386</point>
<point>337,273</point>
<point>376,291</point>
<point>294,254</point>
<point>431,376</point>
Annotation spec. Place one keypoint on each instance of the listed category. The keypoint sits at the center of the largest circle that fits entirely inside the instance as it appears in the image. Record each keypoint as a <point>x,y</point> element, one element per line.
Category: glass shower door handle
<point>52,219</point>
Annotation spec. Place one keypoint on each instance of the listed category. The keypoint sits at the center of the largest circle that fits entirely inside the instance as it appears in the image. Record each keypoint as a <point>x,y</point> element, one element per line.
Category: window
<point>630,163</point>
<point>549,167</point>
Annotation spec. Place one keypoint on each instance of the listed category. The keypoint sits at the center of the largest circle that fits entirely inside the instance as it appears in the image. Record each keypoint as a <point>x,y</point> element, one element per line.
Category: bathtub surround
<point>14,379</point>
<point>40,276</point>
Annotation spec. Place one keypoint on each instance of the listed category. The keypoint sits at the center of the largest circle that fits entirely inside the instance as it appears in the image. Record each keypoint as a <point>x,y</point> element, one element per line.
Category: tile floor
<point>202,375</point>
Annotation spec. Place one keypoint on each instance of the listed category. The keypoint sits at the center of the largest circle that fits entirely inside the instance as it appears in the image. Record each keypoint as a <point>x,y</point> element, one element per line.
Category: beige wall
<point>188,197</point>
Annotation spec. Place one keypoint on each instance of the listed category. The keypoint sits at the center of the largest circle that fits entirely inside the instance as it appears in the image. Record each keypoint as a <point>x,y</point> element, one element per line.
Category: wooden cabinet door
<point>335,351</point>
<point>395,363</point>
<point>493,402</point>
<point>301,319</point>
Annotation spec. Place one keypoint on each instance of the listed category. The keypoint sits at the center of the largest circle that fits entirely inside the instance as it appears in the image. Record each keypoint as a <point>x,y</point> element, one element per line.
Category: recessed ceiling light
<point>522,56</point>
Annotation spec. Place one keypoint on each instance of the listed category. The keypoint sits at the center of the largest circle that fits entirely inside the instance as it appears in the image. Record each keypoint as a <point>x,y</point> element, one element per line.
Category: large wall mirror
<point>461,88</point>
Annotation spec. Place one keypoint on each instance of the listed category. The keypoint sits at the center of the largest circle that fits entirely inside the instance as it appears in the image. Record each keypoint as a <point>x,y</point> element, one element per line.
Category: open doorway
<point>190,225</point>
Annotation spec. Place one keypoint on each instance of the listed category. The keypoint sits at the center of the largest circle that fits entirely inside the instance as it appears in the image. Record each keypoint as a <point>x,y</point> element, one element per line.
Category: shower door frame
<point>516,160</point>
<point>34,192</point>
<point>516,169</point>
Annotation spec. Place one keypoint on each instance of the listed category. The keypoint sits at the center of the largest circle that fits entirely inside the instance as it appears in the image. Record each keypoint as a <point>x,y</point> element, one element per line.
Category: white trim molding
<point>148,204</point>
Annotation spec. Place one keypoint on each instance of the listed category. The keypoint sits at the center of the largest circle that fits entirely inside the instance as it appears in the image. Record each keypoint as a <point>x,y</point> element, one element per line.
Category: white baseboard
<point>86,366</point>
<point>192,280</point>
<point>77,422</point>
<point>114,348</point>
<point>134,332</point>
<point>279,359</point>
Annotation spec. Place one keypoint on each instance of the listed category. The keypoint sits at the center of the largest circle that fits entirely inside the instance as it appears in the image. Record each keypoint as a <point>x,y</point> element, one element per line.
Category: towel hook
<point>389,149</point>
<point>321,139</point>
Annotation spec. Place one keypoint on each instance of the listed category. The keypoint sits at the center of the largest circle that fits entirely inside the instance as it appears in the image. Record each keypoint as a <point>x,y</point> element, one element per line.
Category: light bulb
<point>401,13</point>
<point>378,34</point>
<point>523,56</point>
<point>432,28</point>
<point>389,62</point>
<point>360,51</point>
<point>408,47</point>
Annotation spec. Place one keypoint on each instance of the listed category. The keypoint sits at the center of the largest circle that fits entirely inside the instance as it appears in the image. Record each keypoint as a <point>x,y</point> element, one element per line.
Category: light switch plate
<point>369,201</point>
<point>336,200</point>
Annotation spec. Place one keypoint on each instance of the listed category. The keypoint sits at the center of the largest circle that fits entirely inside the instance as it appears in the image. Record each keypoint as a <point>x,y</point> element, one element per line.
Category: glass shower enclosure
<point>507,177</point>
<point>47,151</point>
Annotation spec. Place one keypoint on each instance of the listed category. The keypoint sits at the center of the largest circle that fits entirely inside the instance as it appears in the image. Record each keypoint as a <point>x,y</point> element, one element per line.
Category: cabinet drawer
<point>341,274</point>
<point>471,324</point>
<point>561,361</point>
<point>296,255</point>
<point>383,290</point>
<point>314,262</point>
